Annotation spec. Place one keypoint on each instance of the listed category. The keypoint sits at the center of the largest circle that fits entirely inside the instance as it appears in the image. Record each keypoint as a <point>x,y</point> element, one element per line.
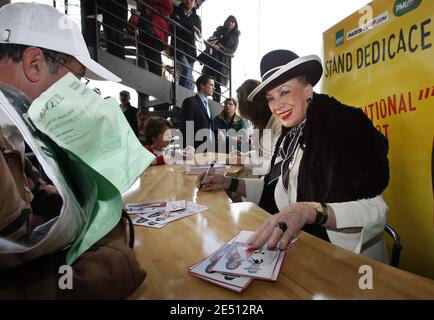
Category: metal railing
<point>171,53</point>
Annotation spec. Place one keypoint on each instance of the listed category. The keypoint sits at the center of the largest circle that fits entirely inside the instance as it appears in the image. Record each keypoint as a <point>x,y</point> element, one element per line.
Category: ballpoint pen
<point>207,173</point>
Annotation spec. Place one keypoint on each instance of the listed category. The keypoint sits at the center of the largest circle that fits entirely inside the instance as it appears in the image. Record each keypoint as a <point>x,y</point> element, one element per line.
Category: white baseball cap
<point>46,27</point>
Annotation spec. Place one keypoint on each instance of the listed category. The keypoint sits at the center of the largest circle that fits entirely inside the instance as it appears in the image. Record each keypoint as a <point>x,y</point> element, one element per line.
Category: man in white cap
<point>38,46</point>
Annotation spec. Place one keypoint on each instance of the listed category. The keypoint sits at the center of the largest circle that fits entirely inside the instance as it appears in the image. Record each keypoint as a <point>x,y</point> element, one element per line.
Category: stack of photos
<point>158,214</point>
<point>235,264</point>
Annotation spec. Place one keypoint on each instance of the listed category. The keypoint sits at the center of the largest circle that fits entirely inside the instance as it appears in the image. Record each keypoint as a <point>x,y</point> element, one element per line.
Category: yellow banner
<point>381,59</point>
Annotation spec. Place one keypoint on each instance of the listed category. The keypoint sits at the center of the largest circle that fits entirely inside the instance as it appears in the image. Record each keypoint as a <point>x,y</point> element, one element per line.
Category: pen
<point>207,173</point>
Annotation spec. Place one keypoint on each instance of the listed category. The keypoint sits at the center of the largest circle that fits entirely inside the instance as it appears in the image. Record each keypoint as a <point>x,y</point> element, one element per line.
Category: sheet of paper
<point>219,283</point>
<point>140,220</point>
<point>152,207</point>
<point>204,270</point>
<point>240,259</point>
<point>98,141</point>
<point>94,129</point>
<point>106,211</point>
<point>77,206</point>
<point>160,216</point>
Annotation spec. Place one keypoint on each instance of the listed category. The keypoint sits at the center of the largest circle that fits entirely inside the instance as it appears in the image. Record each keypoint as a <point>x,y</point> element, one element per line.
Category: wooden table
<point>314,269</point>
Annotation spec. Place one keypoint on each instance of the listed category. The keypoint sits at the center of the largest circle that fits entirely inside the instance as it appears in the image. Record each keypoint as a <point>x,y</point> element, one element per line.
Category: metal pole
<point>66,6</point>
<point>174,68</point>
<point>136,39</point>
<point>95,53</point>
<point>230,77</point>
<point>54,3</point>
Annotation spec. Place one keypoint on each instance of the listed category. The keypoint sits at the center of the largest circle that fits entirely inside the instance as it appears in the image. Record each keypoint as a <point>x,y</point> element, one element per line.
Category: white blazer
<point>368,214</point>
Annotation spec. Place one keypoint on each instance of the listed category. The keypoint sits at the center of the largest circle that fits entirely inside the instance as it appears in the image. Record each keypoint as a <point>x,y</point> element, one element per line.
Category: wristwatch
<point>233,187</point>
<point>322,213</point>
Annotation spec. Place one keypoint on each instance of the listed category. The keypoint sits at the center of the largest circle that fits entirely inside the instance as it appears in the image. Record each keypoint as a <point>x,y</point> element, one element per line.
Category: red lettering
<point>385,127</point>
<point>370,109</point>
<point>402,105</point>
<point>391,102</point>
<point>410,104</point>
<point>376,111</point>
<point>383,109</point>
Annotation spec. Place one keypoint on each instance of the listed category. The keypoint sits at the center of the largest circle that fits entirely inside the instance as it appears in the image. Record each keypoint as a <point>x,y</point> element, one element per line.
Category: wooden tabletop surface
<point>314,269</point>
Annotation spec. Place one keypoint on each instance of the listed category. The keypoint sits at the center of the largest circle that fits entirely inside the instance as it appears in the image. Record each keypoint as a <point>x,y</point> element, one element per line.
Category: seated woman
<point>157,137</point>
<point>227,120</point>
<point>329,167</point>
<point>266,130</point>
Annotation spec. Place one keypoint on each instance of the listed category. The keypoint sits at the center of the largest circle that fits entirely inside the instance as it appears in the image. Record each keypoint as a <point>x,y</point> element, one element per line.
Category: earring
<point>309,100</point>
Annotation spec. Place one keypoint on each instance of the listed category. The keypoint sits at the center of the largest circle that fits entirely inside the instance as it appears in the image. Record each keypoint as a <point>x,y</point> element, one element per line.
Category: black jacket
<point>344,159</point>
<point>131,116</point>
<point>115,13</point>
<point>229,41</point>
<point>194,110</point>
<point>185,42</point>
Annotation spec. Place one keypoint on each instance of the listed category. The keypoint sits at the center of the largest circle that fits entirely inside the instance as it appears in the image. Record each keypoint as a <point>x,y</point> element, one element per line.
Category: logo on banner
<point>340,38</point>
<point>382,18</point>
<point>402,7</point>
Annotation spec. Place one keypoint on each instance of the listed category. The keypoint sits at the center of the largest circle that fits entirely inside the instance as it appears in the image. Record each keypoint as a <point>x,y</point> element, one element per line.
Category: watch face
<point>317,206</point>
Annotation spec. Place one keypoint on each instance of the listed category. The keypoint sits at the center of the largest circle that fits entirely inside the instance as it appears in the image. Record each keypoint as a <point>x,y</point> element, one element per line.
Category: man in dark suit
<point>129,111</point>
<point>196,123</point>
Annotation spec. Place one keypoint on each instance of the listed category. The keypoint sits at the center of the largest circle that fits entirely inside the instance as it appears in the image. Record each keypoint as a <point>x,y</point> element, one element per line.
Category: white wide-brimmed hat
<point>279,66</point>
<point>43,26</point>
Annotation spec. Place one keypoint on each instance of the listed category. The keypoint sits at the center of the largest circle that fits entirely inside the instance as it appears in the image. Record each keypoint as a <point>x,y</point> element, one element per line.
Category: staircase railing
<point>174,27</point>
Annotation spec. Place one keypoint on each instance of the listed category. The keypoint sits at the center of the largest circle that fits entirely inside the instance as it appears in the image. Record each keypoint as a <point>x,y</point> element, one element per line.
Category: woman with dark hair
<point>227,120</point>
<point>329,167</point>
<point>266,130</point>
<point>222,46</point>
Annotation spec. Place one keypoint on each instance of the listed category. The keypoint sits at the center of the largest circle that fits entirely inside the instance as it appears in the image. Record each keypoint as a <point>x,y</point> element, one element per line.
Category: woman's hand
<point>295,216</point>
<point>197,32</point>
<point>213,182</point>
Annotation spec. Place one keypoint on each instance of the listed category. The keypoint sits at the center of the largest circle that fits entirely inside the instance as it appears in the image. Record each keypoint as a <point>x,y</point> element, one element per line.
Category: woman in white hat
<point>329,166</point>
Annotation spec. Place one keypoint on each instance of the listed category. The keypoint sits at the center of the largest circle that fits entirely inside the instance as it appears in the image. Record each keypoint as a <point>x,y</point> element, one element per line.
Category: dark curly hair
<point>154,126</point>
<point>257,112</point>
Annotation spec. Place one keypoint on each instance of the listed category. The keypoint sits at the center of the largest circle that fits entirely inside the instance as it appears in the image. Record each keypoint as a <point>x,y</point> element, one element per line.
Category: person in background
<point>157,137</point>
<point>129,111</point>
<point>186,55</point>
<point>153,32</point>
<point>228,119</point>
<point>142,116</point>
<point>195,114</point>
<point>266,130</point>
<point>115,16</point>
<point>329,167</point>
<point>217,57</point>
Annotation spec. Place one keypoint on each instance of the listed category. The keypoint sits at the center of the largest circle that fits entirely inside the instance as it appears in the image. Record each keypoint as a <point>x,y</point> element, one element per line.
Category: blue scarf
<point>286,154</point>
